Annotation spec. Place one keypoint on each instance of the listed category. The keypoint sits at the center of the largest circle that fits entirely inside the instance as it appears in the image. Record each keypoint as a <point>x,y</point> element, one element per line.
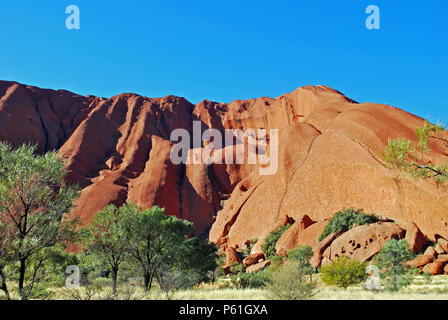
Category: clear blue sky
<point>226,50</point>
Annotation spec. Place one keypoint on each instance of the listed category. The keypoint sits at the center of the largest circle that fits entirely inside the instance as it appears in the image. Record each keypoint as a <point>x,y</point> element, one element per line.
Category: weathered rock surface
<point>232,256</point>
<point>258,267</point>
<point>320,248</point>
<point>421,261</point>
<point>289,238</point>
<point>443,243</point>
<point>310,236</point>
<point>414,236</point>
<point>431,252</point>
<point>363,242</point>
<point>435,267</point>
<point>253,259</point>
<point>329,157</point>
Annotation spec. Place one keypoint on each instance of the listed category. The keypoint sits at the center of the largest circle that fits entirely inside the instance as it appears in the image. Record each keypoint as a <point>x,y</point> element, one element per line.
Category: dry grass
<point>434,288</point>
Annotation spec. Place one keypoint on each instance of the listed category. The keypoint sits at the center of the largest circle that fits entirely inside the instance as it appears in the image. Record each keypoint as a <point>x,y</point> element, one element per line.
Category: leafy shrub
<point>302,255</point>
<point>268,246</point>
<point>288,284</point>
<point>236,268</point>
<point>101,283</point>
<point>276,263</point>
<point>251,280</point>
<point>345,219</point>
<point>344,272</point>
<point>390,260</point>
<point>248,248</point>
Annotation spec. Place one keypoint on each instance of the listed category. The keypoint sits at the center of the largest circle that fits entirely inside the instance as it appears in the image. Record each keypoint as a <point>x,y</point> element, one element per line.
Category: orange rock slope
<point>118,150</point>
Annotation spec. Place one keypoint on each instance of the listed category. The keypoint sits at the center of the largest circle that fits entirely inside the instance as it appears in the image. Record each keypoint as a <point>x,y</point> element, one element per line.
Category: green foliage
<point>397,152</point>
<point>302,255</point>
<point>155,239</point>
<point>400,154</point>
<point>344,272</point>
<point>33,204</point>
<point>268,246</point>
<point>423,133</point>
<point>390,260</point>
<point>252,280</point>
<point>287,283</point>
<point>107,238</point>
<point>345,219</point>
<point>248,248</point>
<point>236,267</point>
<point>170,281</point>
<point>276,263</point>
<point>198,256</point>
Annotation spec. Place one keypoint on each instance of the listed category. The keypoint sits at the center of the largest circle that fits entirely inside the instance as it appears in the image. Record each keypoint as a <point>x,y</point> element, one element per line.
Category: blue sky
<point>226,50</point>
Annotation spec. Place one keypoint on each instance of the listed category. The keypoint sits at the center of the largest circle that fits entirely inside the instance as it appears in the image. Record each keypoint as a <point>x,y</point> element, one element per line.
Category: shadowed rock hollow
<point>118,150</point>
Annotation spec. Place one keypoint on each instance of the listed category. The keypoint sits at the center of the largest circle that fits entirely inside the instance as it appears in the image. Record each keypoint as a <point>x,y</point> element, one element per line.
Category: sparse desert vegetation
<point>131,253</point>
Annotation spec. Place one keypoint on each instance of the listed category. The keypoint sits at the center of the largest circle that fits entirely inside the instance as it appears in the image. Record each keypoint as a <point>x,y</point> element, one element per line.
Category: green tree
<point>107,238</point>
<point>4,258</point>
<point>245,280</point>
<point>33,203</point>
<point>344,272</point>
<point>287,283</point>
<point>155,239</point>
<point>268,246</point>
<point>198,256</point>
<point>302,256</point>
<point>236,268</point>
<point>400,154</point>
<point>391,261</point>
<point>345,219</point>
<point>425,132</point>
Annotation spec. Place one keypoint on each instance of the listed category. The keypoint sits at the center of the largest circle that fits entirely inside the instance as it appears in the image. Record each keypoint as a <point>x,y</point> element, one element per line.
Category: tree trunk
<point>4,286</point>
<point>147,278</point>
<point>114,280</point>
<point>151,280</point>
<point>22,277</point>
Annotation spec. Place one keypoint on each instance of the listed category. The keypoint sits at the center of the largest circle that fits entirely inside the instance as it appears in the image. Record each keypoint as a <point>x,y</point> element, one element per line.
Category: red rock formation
<point>435,267</point>
<point>414,236</point>
<point>330,148</point>
<point>420,261</point>
<point>289,238</point>
<point>258,267</point>
<point>232,257</point>
<point>363,242</point>
<point>253,259</point>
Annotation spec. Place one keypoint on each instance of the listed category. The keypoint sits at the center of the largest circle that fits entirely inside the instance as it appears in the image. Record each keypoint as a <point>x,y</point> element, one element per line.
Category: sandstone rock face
<point>232,257</point>
<point>420,261</point>
<point>435,267</point>
<point>443,244</point>
<point>430,251</point>
<point>310,236</point>
<point>258,267</point>
<point>439,249</point>
<point>363,242</point>
<point>289,238</point>
<point>320,248</point>
<point>442,258</point>
<point>329,157</point>
<point>253,259</point>
<point>414,236</point>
